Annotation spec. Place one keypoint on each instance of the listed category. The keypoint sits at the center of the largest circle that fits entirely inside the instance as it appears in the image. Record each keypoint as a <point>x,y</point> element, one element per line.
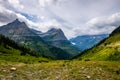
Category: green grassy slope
<point>10,51</point>
<point>106,50</point>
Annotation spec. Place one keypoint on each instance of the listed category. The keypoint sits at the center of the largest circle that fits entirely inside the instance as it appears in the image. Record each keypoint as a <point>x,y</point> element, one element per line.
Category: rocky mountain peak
<point>54,34</point>
<point>16,22</point>
<point>16,30</point>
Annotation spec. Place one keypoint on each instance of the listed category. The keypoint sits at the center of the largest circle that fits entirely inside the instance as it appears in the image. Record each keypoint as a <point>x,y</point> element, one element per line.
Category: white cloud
<point>102,22</point>
<point>6,15</point>
<point>12,4</point>
<point>99,25</point>
<point>44,3</point>
<point>16,4</point>
<point>64,14</point>
<point>42,26</point>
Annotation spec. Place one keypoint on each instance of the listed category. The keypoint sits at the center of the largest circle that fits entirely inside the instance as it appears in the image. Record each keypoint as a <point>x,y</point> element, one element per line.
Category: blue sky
<point>74,17</point>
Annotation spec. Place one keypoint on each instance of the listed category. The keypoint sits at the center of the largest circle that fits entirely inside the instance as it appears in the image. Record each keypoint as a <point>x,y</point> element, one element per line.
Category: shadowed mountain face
<point>55,37</point>
<point>19,32</point>
<point>87,41</point>
<point>107,50</point>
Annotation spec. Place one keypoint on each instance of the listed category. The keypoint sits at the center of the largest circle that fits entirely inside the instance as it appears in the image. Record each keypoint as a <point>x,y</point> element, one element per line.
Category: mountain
<point>17,30</point>
<point>87,41</point>
<point>55,37</point>
<point>11,51</point>
<point>36,31</point>
<point>107,50</point>
<point>20,33</point>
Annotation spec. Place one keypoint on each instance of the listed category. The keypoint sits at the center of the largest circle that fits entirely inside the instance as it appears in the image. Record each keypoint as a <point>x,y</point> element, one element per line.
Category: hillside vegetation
<point>107,50</point>
<point>10,51</point>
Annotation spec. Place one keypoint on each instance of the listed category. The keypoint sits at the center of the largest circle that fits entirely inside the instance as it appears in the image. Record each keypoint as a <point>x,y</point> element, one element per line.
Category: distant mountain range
<point>20,33</point>
<point>87,41</point>
<point>106,50</point>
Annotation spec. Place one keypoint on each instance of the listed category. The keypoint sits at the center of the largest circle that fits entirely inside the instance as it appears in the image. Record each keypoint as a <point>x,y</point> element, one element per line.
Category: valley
<point>21,59</point>
<point>28,66</point>
<point>59,39</point>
